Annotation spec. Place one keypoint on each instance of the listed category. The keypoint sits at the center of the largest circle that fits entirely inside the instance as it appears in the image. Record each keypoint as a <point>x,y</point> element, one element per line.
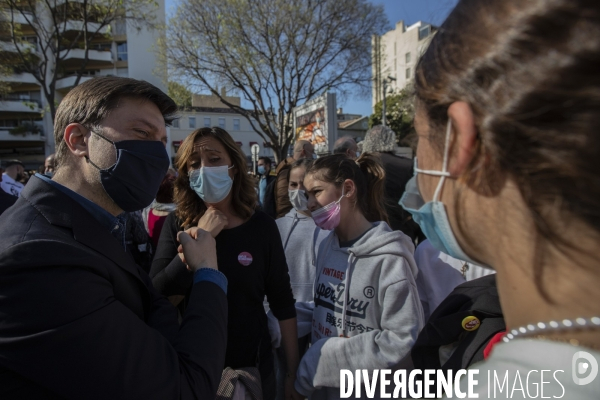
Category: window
<point>176,123</point>
<point>101,46</point>
<point>192,121</point>
<point>122,51</point>
<point>424,31</point>
<point>395,66</point>
<point>407,73</point>
<point>9,123</point>
<point>407,58</point>
<point>207,122</point>
<point>236,124</point>
<point>222,123</point>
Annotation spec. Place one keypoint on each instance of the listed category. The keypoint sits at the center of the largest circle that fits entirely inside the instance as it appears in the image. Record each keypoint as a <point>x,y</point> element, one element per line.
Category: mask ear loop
<point>444,173</point>
<point>436,195</point>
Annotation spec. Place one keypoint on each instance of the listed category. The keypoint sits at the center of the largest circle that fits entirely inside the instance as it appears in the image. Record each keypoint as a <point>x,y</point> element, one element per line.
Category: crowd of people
<point>124,277</point>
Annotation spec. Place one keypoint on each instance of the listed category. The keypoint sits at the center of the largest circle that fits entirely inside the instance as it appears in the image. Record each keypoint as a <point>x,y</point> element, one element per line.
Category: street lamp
<point>385,82</point>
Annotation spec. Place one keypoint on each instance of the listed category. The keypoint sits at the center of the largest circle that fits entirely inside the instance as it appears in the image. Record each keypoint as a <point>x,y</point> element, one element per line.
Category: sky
<point>411,11</point>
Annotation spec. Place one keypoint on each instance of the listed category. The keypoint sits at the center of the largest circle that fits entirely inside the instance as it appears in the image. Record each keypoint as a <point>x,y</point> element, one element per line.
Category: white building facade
<point>26,128</point>
<point>395,54</point>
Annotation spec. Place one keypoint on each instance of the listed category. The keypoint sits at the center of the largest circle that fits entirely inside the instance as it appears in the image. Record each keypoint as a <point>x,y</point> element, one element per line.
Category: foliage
<point>180,94</point>
<point>37,35</point>
<point>26,128</point>
<point>277,54</point>
<point>400,113</point>
<point>4,85</point>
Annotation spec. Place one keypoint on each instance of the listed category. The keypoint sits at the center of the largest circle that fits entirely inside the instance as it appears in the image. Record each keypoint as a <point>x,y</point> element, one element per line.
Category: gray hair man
<point>346,145</point>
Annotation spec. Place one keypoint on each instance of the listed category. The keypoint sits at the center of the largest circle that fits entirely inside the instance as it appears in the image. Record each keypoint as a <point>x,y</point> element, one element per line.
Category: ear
<point>349,188</point>
<point>75,138</point>
<point>465,137</point>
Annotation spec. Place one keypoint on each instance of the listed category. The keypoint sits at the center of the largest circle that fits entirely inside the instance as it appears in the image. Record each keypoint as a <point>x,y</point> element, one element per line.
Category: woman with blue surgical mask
<point>213,192</point>
<point>507,100</point>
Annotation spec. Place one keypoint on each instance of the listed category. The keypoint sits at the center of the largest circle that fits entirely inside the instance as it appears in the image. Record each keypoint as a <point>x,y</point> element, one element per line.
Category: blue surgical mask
<point>431,216</point>
<point>261,169</point>
<point>211,184</point>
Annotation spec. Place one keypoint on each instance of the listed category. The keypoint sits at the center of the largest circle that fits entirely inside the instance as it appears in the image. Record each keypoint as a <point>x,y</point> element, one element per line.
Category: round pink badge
<point>245,258</point>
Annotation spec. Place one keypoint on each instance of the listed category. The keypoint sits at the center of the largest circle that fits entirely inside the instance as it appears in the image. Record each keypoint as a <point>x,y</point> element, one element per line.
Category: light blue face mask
<point>212,184</point>
<point>261,169</point>
<point>432,216</point>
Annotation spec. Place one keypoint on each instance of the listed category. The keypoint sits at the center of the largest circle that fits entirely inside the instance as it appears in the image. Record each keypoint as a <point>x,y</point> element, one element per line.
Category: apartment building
<point>26,129</point>
<point>395,54</point>
<point>208,111</point>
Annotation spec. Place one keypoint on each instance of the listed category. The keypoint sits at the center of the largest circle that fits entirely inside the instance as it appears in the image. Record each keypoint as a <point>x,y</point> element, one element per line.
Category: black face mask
<point>133,181</point>
<point>19,176</point>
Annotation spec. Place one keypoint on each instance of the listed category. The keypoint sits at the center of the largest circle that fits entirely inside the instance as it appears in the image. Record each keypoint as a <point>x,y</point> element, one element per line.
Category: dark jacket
<point>6,200</point>
<point>80,320</point>
<point>398,171</point>
<point>477,298</point>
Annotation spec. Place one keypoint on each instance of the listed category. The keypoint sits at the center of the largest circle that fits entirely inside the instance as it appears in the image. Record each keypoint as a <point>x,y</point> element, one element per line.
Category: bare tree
<point>276,53</point>
<point>37,35</point>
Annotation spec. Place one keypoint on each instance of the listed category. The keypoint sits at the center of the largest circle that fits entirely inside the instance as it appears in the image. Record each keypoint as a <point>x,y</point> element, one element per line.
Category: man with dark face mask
<point>14,172</point>
<point>81,320</point>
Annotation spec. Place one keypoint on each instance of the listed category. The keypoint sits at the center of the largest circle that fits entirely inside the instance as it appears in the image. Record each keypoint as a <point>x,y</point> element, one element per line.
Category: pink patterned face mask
<point>328,217</point>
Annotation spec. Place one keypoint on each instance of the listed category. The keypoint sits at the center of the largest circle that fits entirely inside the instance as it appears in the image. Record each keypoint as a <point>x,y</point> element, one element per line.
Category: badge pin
<point>471,323</point>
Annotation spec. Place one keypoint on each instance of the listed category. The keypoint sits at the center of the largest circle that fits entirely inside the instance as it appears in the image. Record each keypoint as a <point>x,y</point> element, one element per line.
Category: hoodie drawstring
<point>351,258</point>
<point>294,223</point>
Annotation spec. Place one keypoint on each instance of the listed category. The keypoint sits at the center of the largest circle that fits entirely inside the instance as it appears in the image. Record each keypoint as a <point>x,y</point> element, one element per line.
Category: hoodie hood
<point>378,241</point>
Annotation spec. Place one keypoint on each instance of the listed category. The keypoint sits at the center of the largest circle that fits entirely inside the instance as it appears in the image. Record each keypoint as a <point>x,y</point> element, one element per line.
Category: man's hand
<point>213,221</point>
<point>199,251</point>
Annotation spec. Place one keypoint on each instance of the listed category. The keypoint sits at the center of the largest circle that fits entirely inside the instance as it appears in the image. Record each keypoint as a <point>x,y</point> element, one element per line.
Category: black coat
<point>6,200</point>
<point>398,171</point>
<point>78,319</point>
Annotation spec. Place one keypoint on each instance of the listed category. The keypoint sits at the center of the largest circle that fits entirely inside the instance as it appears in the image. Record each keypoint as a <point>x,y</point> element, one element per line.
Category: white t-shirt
<point>10,186</point>
<point>439,274</point>
<point>516,370</point>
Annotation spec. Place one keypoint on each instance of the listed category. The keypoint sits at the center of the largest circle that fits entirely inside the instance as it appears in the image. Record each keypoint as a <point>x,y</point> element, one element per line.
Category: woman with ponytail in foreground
<point>367,311</point>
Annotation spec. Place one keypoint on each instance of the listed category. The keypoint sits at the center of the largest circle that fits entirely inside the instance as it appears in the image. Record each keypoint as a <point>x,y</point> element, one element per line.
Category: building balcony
<point>67,83</point>
<point>21,18</point>
<point>9,47</point>
<point>23,78</point>
<point>8,134</point>
<point>12,104</point>
<point>79,26</point>
<point>96,58</point>
<point>22,82</point>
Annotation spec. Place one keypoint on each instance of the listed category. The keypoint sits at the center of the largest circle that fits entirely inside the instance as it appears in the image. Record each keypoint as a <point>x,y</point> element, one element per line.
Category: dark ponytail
<point>368,176</point>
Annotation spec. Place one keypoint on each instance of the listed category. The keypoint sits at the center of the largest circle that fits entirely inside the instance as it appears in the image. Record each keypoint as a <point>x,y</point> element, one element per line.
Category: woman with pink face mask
<point>367,312</point>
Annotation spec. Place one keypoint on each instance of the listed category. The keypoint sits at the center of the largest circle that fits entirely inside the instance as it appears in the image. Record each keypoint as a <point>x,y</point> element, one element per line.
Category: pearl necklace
<point>552,326</point>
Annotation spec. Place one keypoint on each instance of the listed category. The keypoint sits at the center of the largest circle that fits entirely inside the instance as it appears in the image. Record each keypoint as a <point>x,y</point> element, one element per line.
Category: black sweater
<point>251,257</point>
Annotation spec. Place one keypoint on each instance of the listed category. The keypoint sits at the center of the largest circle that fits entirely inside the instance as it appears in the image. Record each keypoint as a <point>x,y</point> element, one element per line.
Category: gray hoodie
<point>299,234</point>
<point>379,316</point>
